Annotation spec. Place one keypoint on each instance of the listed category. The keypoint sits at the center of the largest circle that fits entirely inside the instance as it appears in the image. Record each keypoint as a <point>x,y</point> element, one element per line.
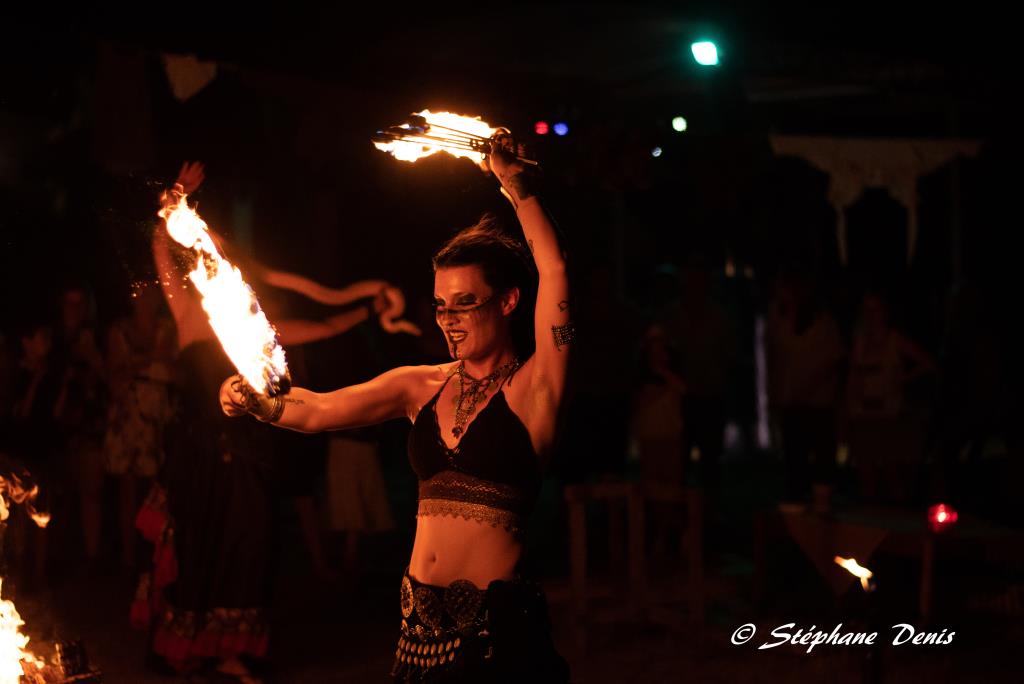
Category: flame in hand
<point>429,132</point>
<point>248,338</point>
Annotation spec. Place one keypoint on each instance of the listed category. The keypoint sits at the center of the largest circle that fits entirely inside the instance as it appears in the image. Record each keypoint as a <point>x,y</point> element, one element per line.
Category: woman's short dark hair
<point>505,263</point>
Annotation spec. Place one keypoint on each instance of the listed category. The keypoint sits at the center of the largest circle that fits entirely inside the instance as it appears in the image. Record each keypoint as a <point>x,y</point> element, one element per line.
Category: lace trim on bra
<point>461,495</point>
<point>495,517</point>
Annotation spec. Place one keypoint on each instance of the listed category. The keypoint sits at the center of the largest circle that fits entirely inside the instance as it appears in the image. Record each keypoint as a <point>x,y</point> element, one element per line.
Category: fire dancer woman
<point>481,424</point>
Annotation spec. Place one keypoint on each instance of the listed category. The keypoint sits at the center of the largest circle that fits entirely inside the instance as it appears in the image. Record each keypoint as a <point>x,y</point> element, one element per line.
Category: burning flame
<point>411,146</point>
<point>235,315</point>
<point>856,570</point>
<point>14,659</point>
<point>12,488</point>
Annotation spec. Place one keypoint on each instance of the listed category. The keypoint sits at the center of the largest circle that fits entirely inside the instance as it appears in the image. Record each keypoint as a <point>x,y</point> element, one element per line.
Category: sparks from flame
<point>235,315</point>
<point>856,570</point>
<point>412,147</point>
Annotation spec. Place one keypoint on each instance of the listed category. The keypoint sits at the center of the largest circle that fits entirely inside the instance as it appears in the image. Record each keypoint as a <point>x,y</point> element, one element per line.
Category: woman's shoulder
<point>421,383</point>
<point>424,373</point>
<point>429,377</point>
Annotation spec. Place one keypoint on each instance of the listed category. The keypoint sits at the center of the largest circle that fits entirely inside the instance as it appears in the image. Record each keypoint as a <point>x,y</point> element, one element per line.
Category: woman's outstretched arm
<point>553,327</point>
<point>390,395</point>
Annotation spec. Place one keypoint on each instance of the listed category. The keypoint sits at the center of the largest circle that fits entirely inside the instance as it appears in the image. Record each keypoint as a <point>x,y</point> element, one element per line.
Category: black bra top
<point>492,475</point>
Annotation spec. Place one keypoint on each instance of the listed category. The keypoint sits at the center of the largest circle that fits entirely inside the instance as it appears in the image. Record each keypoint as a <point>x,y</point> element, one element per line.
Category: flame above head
<point>248,338</point>
<point>15,661</point>
<point>428,133</point>
<point>856,570</point>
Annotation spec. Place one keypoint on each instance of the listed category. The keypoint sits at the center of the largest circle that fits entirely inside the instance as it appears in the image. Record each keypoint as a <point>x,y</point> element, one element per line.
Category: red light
<point>540,128</point>
<point>941,516</point>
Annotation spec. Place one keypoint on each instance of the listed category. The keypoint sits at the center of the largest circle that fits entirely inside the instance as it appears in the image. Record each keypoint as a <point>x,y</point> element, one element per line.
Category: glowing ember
<point>15,661</point>
<point>429,132</point>
<point>856,570</point>
<point>235,315</point>
<point>942,516</point>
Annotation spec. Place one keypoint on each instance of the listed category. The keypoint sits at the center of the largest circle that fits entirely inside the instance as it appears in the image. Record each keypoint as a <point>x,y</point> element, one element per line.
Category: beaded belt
<point>439,625</point>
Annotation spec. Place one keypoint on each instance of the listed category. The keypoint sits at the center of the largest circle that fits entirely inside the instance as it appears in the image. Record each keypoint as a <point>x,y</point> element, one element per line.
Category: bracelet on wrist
<point>263,408</point>
<point>273,413</point>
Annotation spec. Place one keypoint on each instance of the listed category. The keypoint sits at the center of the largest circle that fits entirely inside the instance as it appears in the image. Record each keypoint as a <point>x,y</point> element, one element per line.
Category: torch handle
<point>504,132</point>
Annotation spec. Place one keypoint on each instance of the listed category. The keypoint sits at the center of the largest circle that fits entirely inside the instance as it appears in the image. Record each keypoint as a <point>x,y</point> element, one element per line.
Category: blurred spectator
<point>805,355</point>
<point>885,435</point>
<point>356,502</point>
<point>703,335</point>
<point>80,409</point>
<point>656,418</point>
<point>656,426</point>
<point>140,351</point>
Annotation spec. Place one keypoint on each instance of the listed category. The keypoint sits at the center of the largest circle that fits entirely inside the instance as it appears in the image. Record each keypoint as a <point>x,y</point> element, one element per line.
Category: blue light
<point>656,152</point>
<point>561,128</point>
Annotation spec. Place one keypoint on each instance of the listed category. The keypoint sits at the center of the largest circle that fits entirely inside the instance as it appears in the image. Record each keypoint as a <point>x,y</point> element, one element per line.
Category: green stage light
<point>705,52</point>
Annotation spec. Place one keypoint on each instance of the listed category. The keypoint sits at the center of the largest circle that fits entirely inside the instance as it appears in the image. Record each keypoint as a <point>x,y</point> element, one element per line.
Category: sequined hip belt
<point>464,633</point>
<point>440,625</point>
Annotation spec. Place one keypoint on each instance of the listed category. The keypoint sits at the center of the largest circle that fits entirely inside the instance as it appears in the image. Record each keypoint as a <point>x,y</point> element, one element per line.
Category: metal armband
<point>564,334</point>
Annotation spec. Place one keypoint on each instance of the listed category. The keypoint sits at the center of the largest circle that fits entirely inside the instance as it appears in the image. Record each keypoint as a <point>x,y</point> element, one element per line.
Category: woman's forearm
<point>541,235</point>
<point>301,411</point>
<point>375,401</point>
<point>553,329</point>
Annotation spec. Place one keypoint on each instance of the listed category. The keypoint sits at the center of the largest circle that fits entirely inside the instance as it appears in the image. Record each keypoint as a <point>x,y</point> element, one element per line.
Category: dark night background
<point>90,133</point>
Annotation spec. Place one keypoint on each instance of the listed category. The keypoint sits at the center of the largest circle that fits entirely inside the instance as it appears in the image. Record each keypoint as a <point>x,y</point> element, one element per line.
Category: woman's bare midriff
<point>447,549</point>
